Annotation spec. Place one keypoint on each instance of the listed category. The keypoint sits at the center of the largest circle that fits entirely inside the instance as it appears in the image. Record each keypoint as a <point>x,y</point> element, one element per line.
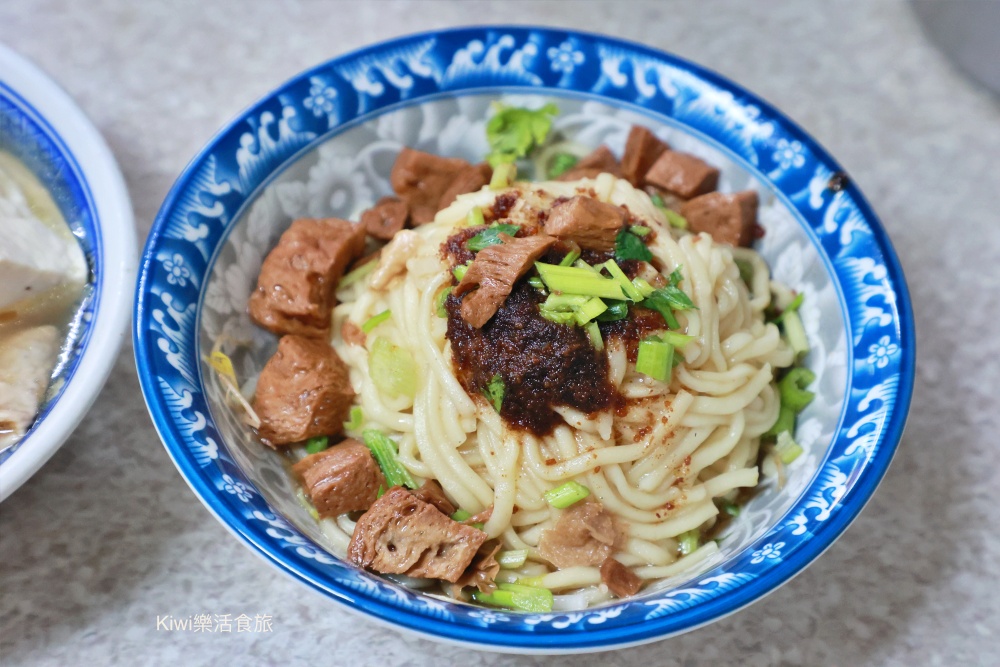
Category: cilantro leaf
<point>560,164</point>
<point>629,246</point>
<point>512,132</point>
<point>490,236</point>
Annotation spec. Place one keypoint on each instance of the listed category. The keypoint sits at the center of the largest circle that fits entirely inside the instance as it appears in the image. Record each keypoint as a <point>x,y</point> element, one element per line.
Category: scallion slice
<point>787,449</point>
<point>384,450</point>
<point>589,310</point>
<point>513,559</point>
<point>459,271</point>
<point>571,256</point>
<point>517,597</point>
<point>639,230</point>
<point>375,320</point>
<point>461,515</point>
<point>594,333</point>
<point>795,333</point>
<point>573,280</point>
<point>678,340</point>
<point>688,542</point>
<point>643,286</point>
<point>784,423</point>
<point>475,217</point>
<point>442,297</point>
<point>675,219</point>
<point>792,307</point>
<point>537,283</point>
<point>619,276</point>
<point>357,274</point>
<point>655,358</point>
<point>317,444</point>
<point>793,389</point>
<point>503,175</point>
<point>566,494</point>
<point>356,419</point>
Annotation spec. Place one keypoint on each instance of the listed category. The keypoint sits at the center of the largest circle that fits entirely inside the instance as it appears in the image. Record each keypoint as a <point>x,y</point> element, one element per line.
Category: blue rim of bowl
<point>513,58</point>
<point>37,144</point>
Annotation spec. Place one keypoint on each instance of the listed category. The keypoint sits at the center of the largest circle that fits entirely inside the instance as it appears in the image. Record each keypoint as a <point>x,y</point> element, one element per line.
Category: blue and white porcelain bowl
<point>322,144</point>
<point>42,127</point>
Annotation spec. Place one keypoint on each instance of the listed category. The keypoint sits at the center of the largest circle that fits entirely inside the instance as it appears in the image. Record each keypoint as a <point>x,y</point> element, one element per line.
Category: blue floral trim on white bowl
<point>234,173</point>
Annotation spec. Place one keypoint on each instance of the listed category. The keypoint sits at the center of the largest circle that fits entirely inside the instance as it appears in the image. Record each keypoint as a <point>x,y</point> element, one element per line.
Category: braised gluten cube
<point>728,218</point>
<point>295,288</point>
<point>343,478</point>
<point>682,174</point>
<point>304,391</point>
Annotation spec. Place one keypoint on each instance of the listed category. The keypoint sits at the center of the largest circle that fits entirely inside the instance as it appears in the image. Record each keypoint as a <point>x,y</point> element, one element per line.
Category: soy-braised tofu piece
<point>421,180</point>
<point>599,161</point>
<point>385,218</point>
<point>642,149</point>
<point>470,179</point>
<point>621,581</point>
<point>303,391</point>
<point>591,224</point>
<point>586,534</point>
<point>343,478</point>
<point>494,272</point>
<point>682,174</point>
<point>728,218</point>
<point>401,534</point>
<point>295,288</point>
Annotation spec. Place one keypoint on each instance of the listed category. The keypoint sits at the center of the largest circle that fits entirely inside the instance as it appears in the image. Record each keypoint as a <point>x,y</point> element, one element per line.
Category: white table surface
<point>107,536</point>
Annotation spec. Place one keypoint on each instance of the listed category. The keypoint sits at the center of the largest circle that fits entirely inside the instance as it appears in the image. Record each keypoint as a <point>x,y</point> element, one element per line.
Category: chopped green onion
<point>732,509</point>
<point>629,246</point>
<point>491,236</point>
<point>678,340</point>
<point>657,200</point>
<point>475,217</point>
<point>643,286</point>
<point>594,333</point>
<point>392,369</point>
<point>513,559</point>
<point>688,542</point>
<point>356,419</point>
<point>619,276</point>
<point>675,219</point>
<point>746,271</point>
<point>573,280</point>
<point>357,274</point>
<point>561,163</point>
<point>567,317</point>
<point>383,448</point>
<point>571,256</point>
<point>793,388</point>
<point>566,494</point>
<point>517,597</point>
<point>655,358</point>
<point>461,515</point>
<point>441,310</point>
<point>659,303</point>
<point>790,308</point>
<point>495,391</point>
<point>513,132</point>
<point>564,301</point>
<point>784,423</point>
<point>795,333</point>
<point>380,492</point>
<point>503,175</point>
<point>537,283</point>
<point>787,449</point>
<point>589,310</point>
<point>640,230</point>
<point>375,320</point>
<point>580,264</point>
<point>317,444</point>
<point>459,271</point>
<point>617,310</point>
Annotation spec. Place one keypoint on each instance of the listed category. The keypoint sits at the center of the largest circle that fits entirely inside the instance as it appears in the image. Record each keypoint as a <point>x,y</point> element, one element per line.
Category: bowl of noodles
<point>525,339</point>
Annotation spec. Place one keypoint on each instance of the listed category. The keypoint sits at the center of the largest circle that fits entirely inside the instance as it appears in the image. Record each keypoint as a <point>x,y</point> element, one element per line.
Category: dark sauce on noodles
<point>543,364</point>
